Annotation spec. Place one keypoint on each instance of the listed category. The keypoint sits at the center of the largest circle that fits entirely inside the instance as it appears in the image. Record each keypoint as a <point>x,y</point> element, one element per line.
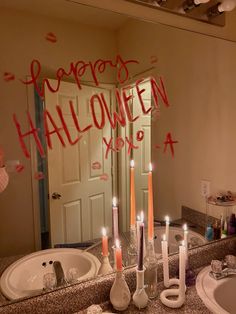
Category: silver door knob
<point>56,196</point>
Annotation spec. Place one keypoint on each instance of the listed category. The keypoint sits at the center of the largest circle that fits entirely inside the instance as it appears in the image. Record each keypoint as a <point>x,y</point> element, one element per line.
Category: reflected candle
<point>104,242</point>
<point>167,220</point>
<point>185,227</point>
<point>164,249</point>
<point>150,206</point>
<point>132,196</point>
<point>182,265</point>
<point>115,220</point>
<point>141,244</point>
<point>118,256</point>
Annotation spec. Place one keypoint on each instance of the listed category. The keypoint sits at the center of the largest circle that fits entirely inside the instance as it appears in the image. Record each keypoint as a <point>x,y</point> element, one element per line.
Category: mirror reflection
<point>89,99</point>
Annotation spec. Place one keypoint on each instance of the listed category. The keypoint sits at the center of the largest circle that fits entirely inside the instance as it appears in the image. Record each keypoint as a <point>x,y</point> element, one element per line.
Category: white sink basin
<point>218,295</point>
<point>25,276</point>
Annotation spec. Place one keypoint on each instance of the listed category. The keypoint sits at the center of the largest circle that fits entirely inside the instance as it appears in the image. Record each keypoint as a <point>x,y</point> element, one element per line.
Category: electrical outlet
<point>205,188</point>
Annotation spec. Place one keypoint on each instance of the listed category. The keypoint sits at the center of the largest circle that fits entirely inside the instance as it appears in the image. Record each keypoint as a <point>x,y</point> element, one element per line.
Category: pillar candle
<point>140,246</point>
<point>150,206</point>
<point>115,220</point>
<point>118,256</point>
<point>104,242</point>
<point>164,249</point>
<point>182,263</point>
<point>132,196</point>
<point>167,220</point>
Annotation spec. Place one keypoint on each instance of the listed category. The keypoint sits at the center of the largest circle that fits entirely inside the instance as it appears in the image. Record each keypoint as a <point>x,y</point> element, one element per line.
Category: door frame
<point>34,160</point>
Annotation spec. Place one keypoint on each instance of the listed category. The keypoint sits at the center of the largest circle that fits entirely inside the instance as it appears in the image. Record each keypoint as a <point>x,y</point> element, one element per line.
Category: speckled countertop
<point>193,304</point>
<point>78,297</point>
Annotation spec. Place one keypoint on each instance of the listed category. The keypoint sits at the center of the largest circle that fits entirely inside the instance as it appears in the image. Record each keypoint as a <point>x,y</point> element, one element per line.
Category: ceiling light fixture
<point>191,4</point>
<point>219,8</point>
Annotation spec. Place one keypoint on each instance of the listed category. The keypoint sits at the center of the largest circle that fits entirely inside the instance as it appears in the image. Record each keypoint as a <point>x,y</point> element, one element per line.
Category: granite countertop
<point>193,304</point>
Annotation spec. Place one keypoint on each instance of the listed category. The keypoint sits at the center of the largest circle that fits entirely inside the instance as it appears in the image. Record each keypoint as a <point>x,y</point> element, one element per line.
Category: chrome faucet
<point>60,276</point>
<point>222,269</point>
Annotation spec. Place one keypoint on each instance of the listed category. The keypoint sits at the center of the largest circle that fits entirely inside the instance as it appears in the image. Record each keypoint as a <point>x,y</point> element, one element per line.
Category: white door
<point>142,156</point>
<point>75,171</point>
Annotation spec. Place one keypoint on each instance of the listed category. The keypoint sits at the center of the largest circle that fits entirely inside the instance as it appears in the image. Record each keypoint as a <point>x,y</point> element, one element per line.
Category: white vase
<point>140,297</point>
<point>120,293</point>
<point>105,267</point>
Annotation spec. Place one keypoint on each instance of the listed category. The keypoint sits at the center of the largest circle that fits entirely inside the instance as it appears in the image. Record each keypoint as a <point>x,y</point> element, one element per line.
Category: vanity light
<point>191,4</point>
<point>219,8</point>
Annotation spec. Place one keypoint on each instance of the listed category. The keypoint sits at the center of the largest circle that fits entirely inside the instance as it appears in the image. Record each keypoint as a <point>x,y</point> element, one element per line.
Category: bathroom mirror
<point>188,136</point>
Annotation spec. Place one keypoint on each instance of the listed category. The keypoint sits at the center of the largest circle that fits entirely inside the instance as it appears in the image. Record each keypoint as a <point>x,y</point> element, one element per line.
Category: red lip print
<point>104,177</point>
<point>8,76</point>
<point>19,168</point>
<point>51,37</point>
<point>153,59</point>
<point>96,165</point>
<point>39,176</point>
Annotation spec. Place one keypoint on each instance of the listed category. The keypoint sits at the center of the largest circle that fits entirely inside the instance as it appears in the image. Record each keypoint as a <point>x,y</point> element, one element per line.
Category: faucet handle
<point>216,266</point>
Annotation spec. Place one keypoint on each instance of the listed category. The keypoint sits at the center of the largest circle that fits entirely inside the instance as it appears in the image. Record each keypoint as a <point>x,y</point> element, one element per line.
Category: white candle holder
<point>140,297</point>
<point>120,294</point>
<point>174,304</point>
<point>180,292</point>
<point>114,256</point>
<point>105,267</point>
<point>132,248</point>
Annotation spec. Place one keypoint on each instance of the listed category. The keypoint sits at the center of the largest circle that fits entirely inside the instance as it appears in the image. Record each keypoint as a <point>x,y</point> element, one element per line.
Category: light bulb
<point>197,2</point>
<point>227,5</point>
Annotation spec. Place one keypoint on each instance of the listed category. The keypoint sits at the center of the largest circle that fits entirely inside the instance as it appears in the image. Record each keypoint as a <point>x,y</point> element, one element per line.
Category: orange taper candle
<point>118,256</point>
<point>104,242</point>
<point>150,205</point>
<point>132,196</point>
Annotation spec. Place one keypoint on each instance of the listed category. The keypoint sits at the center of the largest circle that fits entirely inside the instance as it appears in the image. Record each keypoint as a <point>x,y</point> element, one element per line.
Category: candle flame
<point>164,237</point>
<point>104,232</point>
<point>142,216</point>
<point>132,163</point>
<point>150,167</point>
<point>185,227</point>
<point>138,218</point>
<point>117,244</point>
<point>167,219</point>
<point>182,243</point>
<point>114,201</point>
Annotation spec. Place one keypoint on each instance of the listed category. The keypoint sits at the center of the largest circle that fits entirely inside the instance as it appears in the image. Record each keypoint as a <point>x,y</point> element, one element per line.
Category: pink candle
<point>118,256</point>
<point>132,195</point>
<point>115,220</point>
<point>150,206</point>
<point>104,242</point>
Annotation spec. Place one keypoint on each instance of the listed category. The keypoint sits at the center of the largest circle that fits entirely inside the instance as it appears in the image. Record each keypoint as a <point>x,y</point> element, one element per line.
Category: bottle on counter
<point>209,233</point>
<point>216,230</point>
<point>232,225</point>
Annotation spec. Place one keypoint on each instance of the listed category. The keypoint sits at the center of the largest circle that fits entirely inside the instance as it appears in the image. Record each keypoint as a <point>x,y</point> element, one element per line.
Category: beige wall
<point>199,74</point>
<point>22,39</point>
